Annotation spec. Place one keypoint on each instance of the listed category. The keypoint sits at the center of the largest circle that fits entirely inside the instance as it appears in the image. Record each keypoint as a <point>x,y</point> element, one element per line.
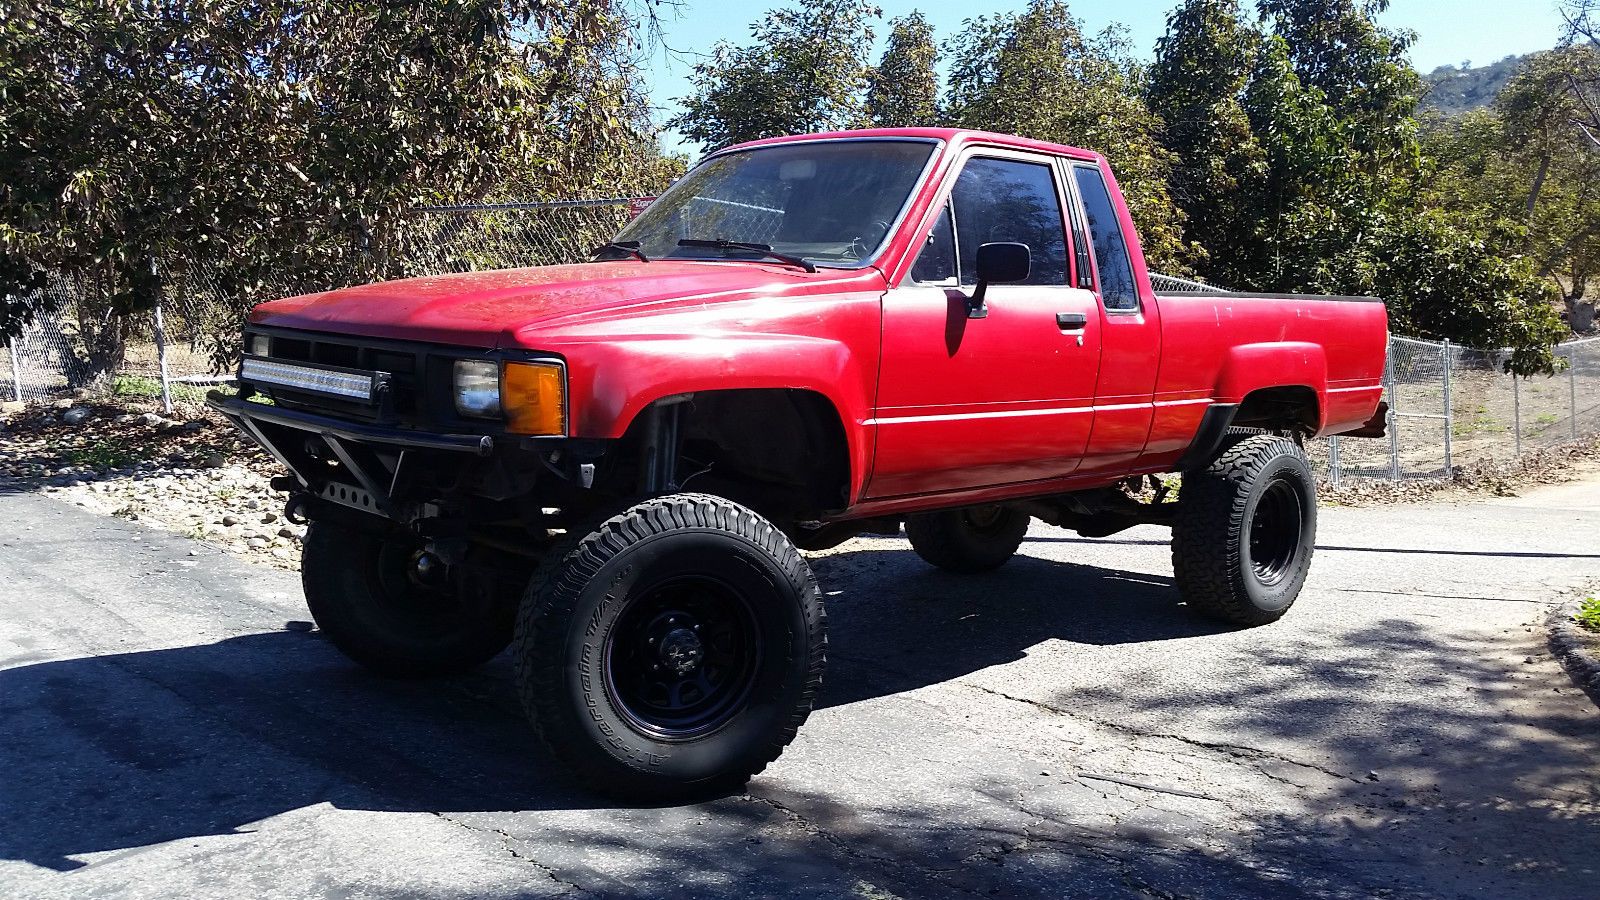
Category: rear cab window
<point>1118,291</point>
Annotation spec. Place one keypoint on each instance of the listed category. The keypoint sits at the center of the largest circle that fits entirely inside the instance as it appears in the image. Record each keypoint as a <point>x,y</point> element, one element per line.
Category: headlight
<point>260,345</point>
<point>477,388</point>
<point>535,398</point>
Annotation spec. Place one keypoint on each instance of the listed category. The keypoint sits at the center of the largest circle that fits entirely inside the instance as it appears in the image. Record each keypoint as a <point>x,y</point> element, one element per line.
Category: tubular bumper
<point>245,414</point>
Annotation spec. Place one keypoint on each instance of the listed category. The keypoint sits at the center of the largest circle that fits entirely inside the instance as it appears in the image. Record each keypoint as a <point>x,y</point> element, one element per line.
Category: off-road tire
<point>969,541</point>
<point>574,643</point>
<point>1244,531</point>
<point>360,596</point>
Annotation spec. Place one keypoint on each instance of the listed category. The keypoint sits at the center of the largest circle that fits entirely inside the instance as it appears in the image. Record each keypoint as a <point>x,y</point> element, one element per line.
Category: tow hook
<point>295,509</point>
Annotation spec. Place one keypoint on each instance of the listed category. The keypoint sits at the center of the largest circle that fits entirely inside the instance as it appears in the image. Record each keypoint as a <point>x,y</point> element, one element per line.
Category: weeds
<point>101,455</point>
<point>1588,614</point>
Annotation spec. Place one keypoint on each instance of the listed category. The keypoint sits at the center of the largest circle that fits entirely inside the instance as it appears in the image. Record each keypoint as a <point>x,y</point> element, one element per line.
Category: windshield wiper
<point>763,249</point>
<point>627,248</point>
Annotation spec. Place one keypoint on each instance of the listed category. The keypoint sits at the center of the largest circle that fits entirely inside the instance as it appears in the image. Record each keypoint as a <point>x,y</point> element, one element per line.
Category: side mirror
<point>1002,262</point>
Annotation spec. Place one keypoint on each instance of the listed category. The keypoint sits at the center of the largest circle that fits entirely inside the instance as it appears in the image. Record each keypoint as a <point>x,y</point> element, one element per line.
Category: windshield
<point>830,202</point>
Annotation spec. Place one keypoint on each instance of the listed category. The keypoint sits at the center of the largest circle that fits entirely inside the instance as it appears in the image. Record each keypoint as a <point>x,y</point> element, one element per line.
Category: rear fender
<point>1252,367</point>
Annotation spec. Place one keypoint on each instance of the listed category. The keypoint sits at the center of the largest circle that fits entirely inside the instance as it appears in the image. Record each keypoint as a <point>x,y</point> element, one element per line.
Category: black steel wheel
<point>391,608</point>
<point>1245,530</point>
<point>970,540</point>
<point>681,659</point>
<point>672,652</point>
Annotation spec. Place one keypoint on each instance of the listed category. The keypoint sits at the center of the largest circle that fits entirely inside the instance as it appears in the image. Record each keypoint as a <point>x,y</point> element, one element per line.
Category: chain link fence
<point>1449,405</point>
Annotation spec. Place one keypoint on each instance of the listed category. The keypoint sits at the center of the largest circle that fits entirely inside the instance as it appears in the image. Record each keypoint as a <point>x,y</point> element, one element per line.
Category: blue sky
<point>1448,31</point>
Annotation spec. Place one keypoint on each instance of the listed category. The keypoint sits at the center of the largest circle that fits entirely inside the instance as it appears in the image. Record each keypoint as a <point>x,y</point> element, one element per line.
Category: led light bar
<point>305,378</point>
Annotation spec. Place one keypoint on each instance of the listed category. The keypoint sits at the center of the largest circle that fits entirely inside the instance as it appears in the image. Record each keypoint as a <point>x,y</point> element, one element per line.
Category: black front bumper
<point>358,446</point>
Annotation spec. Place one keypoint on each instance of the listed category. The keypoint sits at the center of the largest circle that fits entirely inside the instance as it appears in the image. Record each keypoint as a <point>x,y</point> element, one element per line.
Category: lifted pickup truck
<point>614,465</point>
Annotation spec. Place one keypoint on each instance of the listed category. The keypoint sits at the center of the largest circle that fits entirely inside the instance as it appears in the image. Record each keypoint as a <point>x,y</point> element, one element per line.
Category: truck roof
<point>951,136</point>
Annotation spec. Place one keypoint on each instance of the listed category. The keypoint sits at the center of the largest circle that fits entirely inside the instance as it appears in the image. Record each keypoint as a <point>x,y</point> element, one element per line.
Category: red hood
<point>484,309</point>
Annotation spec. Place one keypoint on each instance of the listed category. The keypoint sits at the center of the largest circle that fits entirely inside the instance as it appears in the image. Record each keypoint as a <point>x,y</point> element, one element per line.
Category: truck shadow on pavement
<point>129,749</point>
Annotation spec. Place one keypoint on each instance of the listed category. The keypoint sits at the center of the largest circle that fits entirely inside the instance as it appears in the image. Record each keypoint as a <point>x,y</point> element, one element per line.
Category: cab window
<point>996,200</point>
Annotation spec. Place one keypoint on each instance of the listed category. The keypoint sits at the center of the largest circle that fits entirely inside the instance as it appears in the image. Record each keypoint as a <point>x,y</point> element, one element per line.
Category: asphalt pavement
<point>1060,728</point>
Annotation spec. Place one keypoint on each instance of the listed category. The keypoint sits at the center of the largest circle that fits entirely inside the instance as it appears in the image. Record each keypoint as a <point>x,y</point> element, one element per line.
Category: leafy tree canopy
<point>903,90</point>
<point>805,71</point>
<point>285,138</point>
<point>1036,74</point>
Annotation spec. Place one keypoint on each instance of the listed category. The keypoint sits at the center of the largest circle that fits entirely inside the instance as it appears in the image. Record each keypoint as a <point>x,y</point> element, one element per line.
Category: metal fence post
<point>1333,460</point>
<point>1449,410</point>
<point>1516,409</point>
<point>1572,390</point>
<point>16,367</point>
<point>161,359</point>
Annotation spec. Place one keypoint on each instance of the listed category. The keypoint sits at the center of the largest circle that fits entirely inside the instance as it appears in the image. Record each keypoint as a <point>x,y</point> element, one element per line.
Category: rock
<point>213,461</point>
<point>151,419</point>
<point>13,407</point>
<point>64,403</point>
<point>230,521</point>
<point>253,503</point>
<point>286,532</point>
<point>126,419</point>
<point>268,518</point>
<point>280,552</point>
<point>256,543</point>
<point>76,415</point>
<point>194,425</point>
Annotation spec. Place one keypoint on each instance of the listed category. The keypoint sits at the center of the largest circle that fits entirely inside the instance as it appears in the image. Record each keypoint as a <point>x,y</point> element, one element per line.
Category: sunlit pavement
<point>1059,728</point>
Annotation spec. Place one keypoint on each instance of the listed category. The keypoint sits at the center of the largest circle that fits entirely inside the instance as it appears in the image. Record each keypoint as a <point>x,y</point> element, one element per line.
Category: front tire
<point>361,590</point>
<point>977,539</point>
<point>674,651</point>
<point>1244,531</point>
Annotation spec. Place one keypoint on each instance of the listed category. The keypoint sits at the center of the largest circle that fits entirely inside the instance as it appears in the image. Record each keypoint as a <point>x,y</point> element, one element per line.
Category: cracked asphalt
<point>1059,728</point>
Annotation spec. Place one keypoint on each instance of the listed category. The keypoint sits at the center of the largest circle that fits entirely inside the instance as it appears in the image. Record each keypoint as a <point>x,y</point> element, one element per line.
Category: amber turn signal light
<point>533,397</point>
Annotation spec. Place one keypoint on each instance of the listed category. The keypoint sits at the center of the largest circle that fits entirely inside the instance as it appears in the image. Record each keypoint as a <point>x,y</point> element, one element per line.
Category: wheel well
<point>1285,408</point>
<point>782,452</point>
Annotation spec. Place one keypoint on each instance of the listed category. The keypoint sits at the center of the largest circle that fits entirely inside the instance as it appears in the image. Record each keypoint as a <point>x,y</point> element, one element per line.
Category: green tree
<point>281,140</point>
<point>1036,74</point>
<point>1528,160</point>
<point>1197,86</point>
<point>804,71</point>
<point>904,89</point>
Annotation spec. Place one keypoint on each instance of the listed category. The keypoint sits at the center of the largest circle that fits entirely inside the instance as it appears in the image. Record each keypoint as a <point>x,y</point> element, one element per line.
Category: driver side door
<point>974,402</point>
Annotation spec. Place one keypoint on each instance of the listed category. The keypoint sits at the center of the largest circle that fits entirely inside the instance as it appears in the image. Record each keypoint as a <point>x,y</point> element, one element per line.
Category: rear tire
<point>1244,531</point>
<point>977,539</point>
<point>674,651</point>
<point>360,590</point>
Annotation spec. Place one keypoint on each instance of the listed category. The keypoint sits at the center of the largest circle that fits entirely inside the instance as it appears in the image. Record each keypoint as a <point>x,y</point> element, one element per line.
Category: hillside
<point>1453,89</point>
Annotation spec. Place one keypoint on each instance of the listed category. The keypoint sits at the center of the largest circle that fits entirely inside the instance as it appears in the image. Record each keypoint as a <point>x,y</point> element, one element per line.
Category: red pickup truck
<point>614,465</point>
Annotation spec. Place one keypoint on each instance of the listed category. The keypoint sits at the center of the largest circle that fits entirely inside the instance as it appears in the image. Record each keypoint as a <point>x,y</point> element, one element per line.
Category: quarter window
<point>937,261</point>
<point>1117,290</point>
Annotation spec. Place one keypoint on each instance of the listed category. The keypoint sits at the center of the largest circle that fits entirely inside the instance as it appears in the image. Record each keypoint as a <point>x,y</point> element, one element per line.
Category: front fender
<point>611,383</point>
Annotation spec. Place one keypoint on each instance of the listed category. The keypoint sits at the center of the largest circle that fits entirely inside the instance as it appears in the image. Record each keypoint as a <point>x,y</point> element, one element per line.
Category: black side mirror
<point>1002,262</point>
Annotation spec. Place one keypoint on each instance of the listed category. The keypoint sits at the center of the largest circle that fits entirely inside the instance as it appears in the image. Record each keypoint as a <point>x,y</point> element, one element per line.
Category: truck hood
<point>487,309</point>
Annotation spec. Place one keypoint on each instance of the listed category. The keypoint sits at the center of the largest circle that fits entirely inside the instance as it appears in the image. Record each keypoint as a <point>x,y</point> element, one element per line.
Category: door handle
<point>1071,321</point>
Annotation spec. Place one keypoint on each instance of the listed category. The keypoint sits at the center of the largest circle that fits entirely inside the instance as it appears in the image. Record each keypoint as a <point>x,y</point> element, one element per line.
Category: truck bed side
<point>1219,348</point>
